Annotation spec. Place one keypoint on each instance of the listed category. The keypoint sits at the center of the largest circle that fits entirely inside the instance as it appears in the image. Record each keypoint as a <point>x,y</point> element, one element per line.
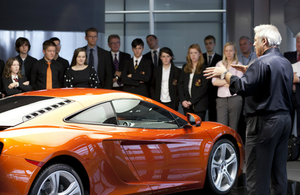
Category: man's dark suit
<point>155,88</point>
<point>104,70</point>
<point>149,57</point>
<point>292,57</point>
<point>142,73</point>
<point>28,64</point>
<point>122,58</point>
<point>212,90</point>
<point>199,89</point>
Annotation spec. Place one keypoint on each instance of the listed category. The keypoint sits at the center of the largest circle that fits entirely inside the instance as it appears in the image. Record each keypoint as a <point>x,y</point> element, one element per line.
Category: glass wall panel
<point>133,31</point>
<point>188,17</point>
<point>179,36</point>
<point>187,4</point>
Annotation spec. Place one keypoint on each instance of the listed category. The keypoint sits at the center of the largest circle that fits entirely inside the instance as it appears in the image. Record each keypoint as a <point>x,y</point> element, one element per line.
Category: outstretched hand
<point>239,67</point>
<point>211,72</point>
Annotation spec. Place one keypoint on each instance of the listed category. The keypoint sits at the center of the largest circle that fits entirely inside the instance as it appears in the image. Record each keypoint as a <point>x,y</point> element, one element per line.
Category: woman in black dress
<point>79,74</point>
<point>12,81</point>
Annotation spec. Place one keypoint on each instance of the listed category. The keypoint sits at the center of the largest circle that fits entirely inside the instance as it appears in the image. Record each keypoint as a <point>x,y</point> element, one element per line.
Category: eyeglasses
<point>114,43</point>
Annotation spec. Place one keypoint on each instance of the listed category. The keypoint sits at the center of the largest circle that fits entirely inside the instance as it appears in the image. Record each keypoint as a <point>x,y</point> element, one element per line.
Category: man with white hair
<point>267,86</point>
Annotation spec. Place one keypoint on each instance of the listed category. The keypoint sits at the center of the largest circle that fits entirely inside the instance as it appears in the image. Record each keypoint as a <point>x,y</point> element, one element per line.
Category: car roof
<point>85,96</point>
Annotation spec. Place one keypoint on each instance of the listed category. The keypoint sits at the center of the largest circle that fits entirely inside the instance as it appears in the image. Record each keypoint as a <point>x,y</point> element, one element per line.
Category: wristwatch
<point>223,74</point>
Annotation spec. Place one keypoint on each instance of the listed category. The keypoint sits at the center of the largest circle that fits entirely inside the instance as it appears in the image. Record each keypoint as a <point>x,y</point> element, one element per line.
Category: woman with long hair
<point>165,78</point>
<point>12,81</point>
<point>229,106</point>
<point>79,74</point>
<point>192,86</point>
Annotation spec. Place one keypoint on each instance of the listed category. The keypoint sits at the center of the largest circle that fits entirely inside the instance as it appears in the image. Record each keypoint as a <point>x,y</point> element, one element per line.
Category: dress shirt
<point>190,83</point>
<point>207,57</point>
<point>224,91</point>
<point>164,94</point>
<point>157,54</point>
<point>139,60</point>
<point>13,80</point>
<point>39,74</point>
<point>115,84</point>
<point>95,54</point>
<point>267,92</point>
<point>246,61</point>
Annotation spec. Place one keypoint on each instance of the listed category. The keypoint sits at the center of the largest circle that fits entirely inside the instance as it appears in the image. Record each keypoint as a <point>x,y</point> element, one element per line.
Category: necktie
<point>136,65</point>
<point>91,58</point>
<point>49,77</point>
<point>209,60</point>
<point>15,79</point>
<point>23,68</point>
<point>116,64</point>
<point>155,58</point>
<point>298,59</point>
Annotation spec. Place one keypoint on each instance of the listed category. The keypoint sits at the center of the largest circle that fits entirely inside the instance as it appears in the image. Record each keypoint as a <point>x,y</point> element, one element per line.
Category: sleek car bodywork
<point>113,144</point>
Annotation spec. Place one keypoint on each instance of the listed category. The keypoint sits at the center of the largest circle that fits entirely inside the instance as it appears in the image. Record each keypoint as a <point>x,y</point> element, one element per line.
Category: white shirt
<point>190,84</point>
<point>13,79</point>
<point>139,60</point>
<point>164,94</point>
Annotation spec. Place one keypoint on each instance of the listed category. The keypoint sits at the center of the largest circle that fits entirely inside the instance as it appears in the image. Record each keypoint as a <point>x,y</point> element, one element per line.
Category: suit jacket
<point>142,73</point>
<point>22,88</point>
<point>212,90</point>
<point>65,63</point>
<point>214,61</point>
<point>1,71</point>
<point>292,57</point>
<point>122,58</point>
<point>149,57</point>
<point>199,89</point>
<point>155,87</point>
<point>104,68</point>
<point>28,64</point>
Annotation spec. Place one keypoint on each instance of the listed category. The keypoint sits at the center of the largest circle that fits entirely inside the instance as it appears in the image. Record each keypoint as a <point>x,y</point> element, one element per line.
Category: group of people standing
<point>152,74</point>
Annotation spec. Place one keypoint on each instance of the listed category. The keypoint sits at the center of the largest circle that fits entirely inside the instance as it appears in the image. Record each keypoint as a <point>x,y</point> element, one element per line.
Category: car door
<point>163,153</point>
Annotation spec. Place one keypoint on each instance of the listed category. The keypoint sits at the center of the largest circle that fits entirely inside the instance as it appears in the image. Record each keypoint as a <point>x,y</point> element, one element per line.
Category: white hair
<point>298,35</point>
<point>270,32</point>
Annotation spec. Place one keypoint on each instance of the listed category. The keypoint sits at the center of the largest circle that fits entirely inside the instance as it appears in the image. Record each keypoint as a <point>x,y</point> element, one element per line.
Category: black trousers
<point>266,153</point>
<point>296,107</point>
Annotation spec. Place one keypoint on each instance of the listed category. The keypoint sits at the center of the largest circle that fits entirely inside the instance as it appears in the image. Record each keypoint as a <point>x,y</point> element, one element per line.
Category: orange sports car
<point>96,141</point>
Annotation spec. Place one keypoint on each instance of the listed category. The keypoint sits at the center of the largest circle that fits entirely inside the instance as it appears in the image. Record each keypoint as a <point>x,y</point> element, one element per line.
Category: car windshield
<point>15,110</point>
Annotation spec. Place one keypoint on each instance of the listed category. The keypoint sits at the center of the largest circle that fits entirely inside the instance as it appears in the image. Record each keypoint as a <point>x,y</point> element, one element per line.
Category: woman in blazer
<point>192,86</point>
<point>165,78</point>
<point>12,81</point>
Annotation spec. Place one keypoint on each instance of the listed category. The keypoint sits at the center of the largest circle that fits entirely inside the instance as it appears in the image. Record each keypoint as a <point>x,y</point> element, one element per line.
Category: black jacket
<point>199,93</point>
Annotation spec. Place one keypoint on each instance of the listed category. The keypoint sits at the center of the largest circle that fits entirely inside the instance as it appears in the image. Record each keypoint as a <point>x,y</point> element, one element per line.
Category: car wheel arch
<point>72,162</point>
<point>234,142</point>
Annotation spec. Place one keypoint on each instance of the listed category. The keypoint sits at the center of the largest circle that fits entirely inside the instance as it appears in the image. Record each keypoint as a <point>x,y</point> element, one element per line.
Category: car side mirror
<point>194,119</point>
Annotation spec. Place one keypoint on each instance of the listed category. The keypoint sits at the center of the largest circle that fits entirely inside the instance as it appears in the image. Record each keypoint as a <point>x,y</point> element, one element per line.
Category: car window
<point>141,114</point>
<point>100,114</point>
